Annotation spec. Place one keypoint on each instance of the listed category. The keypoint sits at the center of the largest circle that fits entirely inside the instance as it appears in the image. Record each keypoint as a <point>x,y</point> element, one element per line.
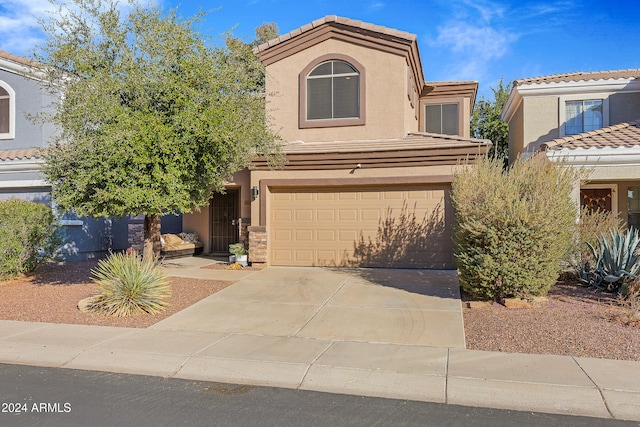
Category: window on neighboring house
<point>442,118</point>
<point>5,111</point>
<point>333,91</point>
<point>583,116</point>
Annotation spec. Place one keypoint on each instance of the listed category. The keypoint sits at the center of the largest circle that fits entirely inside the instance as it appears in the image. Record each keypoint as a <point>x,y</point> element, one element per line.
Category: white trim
<point>606,186</point>
<point>20,165</point>
<point>621,156</point>
<point>21,69</point>
<point>12,111</point>
<point>562,109</point>
<point>33,183</point>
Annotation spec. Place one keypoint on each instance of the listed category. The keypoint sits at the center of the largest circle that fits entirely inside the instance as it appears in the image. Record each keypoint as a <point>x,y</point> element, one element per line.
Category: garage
<point>400,226</point>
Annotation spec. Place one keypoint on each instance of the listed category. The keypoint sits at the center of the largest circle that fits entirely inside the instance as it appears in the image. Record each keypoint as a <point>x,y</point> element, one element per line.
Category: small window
<point>442,119</point>
<point>5,111</point>
<point>333,91</point>
<point>633,206</point>
<point>583,116</point>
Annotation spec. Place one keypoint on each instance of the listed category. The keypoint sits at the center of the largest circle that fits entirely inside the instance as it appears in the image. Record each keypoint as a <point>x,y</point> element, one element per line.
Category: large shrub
<point>129,285</point>
<point>513,227</point>
<point>28,236</point>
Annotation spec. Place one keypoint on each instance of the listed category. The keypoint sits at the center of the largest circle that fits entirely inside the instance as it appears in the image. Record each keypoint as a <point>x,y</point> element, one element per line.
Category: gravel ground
<point>576,322</point>
<point>52,295</point>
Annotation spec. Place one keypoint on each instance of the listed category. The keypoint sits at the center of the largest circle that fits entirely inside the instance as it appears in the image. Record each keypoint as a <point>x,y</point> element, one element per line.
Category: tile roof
<point>338,20</point>
<point>581,76</point>
<point>19,154</point>
<point>413,141</point>
<point>620,135</point>
<point>15,58</point>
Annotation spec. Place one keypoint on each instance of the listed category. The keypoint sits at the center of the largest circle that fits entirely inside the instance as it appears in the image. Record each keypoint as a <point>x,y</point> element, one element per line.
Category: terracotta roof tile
<point>582,76</point>
<point>620,135</point>
<point>339,20</point>
<point>18,154</point>
<point>15,58</point>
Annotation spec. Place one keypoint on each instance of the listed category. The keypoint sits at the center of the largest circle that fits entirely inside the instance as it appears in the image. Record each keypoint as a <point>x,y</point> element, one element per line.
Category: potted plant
<point>239,253</point>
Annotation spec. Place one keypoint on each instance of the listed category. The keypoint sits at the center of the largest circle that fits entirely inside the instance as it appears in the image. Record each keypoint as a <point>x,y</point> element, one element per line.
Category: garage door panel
<point>389,227</point>
<point>304,215</point>
<point>326,235</point>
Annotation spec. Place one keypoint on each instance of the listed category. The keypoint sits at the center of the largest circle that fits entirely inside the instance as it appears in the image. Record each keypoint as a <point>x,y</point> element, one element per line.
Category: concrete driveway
<point>411,307</point>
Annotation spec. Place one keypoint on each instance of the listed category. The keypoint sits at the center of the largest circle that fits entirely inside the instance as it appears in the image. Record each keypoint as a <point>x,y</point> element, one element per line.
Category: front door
<point>224,220</point>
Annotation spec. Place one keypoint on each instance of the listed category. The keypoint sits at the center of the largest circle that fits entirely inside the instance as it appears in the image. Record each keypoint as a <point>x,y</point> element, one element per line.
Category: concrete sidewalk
<point>321,330</point>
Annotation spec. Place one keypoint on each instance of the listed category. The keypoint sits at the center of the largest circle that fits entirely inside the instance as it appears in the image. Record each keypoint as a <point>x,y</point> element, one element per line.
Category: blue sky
<point>458,39</point>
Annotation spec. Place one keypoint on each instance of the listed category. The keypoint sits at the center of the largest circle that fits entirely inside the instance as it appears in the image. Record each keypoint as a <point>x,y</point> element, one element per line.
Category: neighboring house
<point>20,176</point>
<point>588,120</point>
<point>371,148</point>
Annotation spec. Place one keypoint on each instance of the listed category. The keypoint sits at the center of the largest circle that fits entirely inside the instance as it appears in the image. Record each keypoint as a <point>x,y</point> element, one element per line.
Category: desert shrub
<point>28,236</point>
<point>593,224</point>
<point>129,285</point>
<point>513,228</point>
<point>617,260</point>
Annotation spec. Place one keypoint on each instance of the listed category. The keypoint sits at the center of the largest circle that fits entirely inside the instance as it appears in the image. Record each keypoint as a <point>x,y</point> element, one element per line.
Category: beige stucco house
<point>588,120</point>
<point>370,151</point>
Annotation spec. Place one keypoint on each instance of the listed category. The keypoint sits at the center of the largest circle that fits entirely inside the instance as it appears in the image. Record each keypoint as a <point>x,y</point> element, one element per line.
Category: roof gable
<point>349,30</point>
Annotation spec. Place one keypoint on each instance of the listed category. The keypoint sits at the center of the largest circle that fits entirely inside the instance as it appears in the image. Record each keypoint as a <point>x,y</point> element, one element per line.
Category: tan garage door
<point>402,227</point>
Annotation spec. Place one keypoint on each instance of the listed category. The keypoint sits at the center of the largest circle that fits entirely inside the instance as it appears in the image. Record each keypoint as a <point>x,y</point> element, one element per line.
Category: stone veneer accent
<point>135,237</point>
<point>257,244</point>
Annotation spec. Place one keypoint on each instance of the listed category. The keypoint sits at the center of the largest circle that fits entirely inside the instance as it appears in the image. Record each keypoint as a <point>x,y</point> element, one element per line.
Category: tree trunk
<point>151,237</point>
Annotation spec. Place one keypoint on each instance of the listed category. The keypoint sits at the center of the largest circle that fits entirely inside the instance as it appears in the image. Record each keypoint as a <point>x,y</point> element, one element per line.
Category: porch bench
<point>178,245</point>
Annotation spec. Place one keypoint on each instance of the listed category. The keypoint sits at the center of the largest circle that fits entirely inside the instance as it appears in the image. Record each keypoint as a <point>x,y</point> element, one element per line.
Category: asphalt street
<point>31,396</point>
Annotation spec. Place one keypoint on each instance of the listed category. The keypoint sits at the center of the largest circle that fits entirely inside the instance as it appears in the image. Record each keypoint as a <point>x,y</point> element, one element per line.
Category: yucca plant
<point>617,256</point>
<point>130,285</point>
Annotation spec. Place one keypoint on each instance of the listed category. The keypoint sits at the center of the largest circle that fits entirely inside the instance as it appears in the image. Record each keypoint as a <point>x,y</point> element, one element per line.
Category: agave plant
<point>129,285</point>
<point>617,257</point>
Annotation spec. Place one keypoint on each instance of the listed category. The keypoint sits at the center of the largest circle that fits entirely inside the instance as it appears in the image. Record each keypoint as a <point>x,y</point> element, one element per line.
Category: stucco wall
<point>29,99</point>
<point>516,134</point>
<point>540,121</point>
<point>386,94</point>
<point>624,107</point>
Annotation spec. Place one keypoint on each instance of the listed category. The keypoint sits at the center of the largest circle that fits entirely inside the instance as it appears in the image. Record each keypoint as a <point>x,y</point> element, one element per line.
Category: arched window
<point>332,93</point>
<point>7,111</point>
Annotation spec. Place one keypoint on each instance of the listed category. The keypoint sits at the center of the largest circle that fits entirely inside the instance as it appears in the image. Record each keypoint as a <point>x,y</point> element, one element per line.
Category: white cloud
<point>487,9</point>
<point>18,32</point>
<point>484,42</point>
<point>19,28</point>
<point>375,6</point>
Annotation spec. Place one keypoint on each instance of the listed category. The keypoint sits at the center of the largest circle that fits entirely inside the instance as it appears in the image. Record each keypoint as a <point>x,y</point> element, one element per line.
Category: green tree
<point>154,117</point>
<point>266,32</point>
<point>486,121</point>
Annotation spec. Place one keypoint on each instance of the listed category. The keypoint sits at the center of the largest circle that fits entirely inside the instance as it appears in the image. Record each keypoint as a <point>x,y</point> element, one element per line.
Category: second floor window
<point>442,119</point>
<point>5,111</point>
<point>333,91</point>
<point>583,116</point>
